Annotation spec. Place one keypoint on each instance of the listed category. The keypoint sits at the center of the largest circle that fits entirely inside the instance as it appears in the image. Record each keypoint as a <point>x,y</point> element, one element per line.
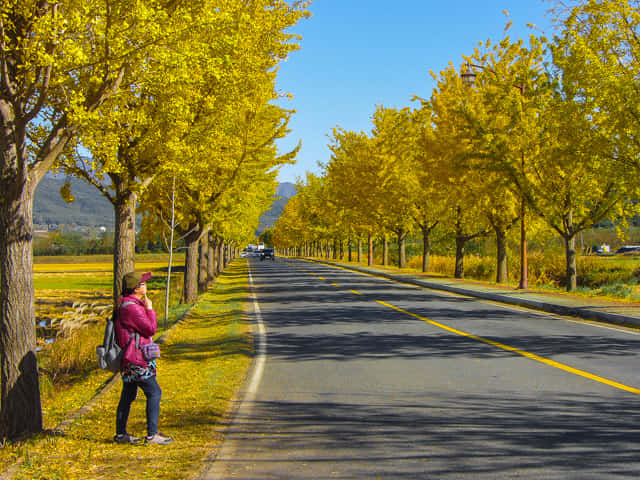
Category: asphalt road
<point>363,378</point>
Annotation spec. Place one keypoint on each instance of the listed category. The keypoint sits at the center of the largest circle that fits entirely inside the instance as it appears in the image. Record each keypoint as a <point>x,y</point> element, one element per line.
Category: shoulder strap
<point>124,304</point>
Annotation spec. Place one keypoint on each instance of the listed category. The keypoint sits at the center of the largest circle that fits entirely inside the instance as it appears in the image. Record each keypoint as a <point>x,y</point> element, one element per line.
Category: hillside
<point>268,219</point>
<point>92,209</point>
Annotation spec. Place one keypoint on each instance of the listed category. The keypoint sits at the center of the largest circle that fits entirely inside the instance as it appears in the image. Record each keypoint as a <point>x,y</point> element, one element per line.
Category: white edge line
<point>220,460</point>
<point>261,347</point>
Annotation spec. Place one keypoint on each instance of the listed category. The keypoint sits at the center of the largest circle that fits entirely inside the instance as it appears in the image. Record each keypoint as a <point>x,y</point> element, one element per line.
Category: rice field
<point>60,282</point>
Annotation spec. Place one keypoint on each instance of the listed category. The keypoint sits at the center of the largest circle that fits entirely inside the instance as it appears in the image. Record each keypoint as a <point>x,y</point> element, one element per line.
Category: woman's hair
<point>127,291</point>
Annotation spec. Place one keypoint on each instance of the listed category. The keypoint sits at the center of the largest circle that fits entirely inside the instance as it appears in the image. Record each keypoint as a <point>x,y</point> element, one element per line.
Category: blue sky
<point>356,54</point>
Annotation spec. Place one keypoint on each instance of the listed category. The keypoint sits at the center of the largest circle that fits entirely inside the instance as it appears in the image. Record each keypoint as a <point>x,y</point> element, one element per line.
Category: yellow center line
<point>524,353</point>
<point>321,278</point>
<point>335,284</point>
<point>355,291</point>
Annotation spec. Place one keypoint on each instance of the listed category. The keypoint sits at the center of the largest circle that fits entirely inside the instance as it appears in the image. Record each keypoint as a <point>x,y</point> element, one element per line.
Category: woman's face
<point>141,289</point>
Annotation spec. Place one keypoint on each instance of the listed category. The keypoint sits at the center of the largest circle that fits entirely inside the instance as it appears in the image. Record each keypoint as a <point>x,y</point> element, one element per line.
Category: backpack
<point>109,353</point>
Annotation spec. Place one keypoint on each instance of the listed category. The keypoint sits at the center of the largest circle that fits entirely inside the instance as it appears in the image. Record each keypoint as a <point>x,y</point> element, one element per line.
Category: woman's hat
<point>132,279</point>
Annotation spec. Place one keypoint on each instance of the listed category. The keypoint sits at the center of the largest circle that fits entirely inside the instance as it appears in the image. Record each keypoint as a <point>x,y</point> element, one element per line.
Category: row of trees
<point>546,129</point>
<point>167,104</point>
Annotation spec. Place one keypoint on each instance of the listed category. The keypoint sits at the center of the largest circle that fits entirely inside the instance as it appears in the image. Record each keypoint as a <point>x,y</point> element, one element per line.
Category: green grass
<point>73,282</point>
<point>178,258</point>
<point>95,281</point>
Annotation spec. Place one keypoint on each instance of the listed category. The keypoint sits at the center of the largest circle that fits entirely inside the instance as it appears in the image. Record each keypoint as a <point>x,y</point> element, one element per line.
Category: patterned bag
<point>150,351</point>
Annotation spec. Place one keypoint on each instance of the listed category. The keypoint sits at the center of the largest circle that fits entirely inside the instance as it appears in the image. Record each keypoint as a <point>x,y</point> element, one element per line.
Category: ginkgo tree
<point>500,123</point>
<point>182,103</point>
<point>598,49</point>
<point>393,148</point>
<point>230,164</point>
<point>353,180</point>
<point>59,62</point>
<point>426,182</point>
<point>119,79</point>
<point>576,182</point>
<point>290,232</point>
<point>467,195</point>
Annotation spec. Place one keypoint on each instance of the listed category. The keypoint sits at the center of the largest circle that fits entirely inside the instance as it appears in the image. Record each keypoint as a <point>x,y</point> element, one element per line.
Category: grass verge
<point>204,360</point>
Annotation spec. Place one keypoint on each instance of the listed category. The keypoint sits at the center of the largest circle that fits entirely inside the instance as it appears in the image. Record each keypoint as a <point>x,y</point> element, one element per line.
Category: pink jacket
<point>135,318</point>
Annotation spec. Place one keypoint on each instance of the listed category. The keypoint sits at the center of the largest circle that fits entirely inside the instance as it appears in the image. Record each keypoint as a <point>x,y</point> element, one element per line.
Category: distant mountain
<point>286,190</point>
<point>268,219</point>
<point>90,208</point>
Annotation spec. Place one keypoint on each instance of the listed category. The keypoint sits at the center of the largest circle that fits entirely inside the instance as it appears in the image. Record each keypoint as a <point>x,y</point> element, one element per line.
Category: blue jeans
<point>153,393</point>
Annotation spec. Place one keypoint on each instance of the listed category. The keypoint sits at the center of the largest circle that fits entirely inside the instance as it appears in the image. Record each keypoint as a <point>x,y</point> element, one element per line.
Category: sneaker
<point>126,438</point>
<point>158,439</point>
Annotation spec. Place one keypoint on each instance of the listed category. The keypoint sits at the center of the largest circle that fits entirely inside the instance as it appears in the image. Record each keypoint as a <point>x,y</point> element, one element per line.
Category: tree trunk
<point>190,288</point>
<point>211,258</point>
<point>218,248</point>
<point>370,249</point>
<point>385,251</point>
<point>124,259</point>
<point>460,243</point>
<point>350,250</point>
<point>21,409</point>
<point>572,270</point>
<point>203,262</point>
<point>524,261</point>
<point>502,273</point>
<point>359,250</point>
<point>426,247</point>
<point>402,256</point>
<point>335,248</point>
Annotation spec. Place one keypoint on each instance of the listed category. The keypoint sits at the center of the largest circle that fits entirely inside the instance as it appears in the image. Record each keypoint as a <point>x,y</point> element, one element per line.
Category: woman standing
<point>136,316</point>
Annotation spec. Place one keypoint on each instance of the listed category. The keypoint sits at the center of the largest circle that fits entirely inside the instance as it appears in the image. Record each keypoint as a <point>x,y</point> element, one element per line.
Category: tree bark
<point>402,256</point>
<point>426,247</point>
<point>190,288</point>
<point>460,243</point>
<point>502,273</point>
<point>210,258</point>
<point>370,249</point>
<point>203,262</point>
<point>359,250</point>
<point>220,256</point>
<point>385,251</point>
<point>124,242</point>
<point>572,269</point>
<point>21,409</point>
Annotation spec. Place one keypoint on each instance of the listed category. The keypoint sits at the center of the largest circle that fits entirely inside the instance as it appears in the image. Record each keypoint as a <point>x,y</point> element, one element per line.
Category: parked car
<point>628,249</point>
<point>267,253</point>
